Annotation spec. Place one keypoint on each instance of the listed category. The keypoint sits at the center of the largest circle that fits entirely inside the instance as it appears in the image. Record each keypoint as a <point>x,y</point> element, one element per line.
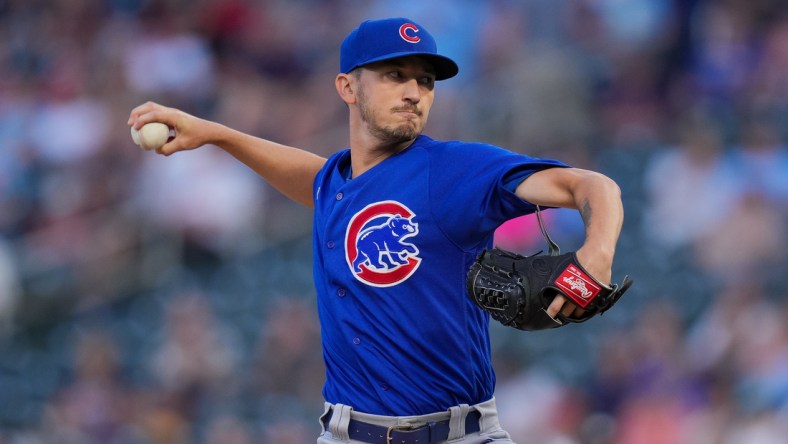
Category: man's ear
<point>345,84</point>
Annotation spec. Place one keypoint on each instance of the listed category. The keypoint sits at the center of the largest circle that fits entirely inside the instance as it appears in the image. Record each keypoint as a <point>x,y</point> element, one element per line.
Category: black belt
<point>429,433</point>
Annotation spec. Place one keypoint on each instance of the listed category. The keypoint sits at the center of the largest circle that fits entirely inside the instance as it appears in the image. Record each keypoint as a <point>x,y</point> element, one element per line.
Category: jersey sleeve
<point>472,187</point>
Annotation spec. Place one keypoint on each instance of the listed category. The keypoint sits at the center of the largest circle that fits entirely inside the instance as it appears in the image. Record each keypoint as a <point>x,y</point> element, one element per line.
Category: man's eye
<point>394,74</point>
<point>427,80</point>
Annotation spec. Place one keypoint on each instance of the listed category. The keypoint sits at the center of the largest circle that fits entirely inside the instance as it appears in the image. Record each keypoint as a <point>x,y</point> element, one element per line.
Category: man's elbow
<point>599,181</point>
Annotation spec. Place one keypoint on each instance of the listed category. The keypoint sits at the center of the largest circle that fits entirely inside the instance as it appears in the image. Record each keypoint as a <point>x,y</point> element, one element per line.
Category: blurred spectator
<point>194,362</point>
<point>287,374</point>
<point>726,49</point>
<point>95,406</point>
<point>168,57</point>
<point>10,287</point>
<point>691,187</point>
<point>754,253</point>
<point>762,156</point>
<point>768,89</point>
<point>739,367</point>
<point>758,215</point>
<point>70,131</point>
<point>291,432</point>
<point>208,197</point>
<point>659,389</point>
<point>229,430</point>
<point>633,25</point>
<point>536,419</point>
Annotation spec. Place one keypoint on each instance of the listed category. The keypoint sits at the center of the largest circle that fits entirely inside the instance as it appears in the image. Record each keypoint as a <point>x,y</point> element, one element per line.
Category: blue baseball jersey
<point>392,247</point>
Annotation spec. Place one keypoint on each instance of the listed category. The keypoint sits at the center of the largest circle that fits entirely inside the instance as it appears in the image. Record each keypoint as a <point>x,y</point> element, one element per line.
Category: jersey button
<point>330,244</point>
<point>356,341</point>
<point>340,196</point>
<point>384,387</point>
<point>341,292</point>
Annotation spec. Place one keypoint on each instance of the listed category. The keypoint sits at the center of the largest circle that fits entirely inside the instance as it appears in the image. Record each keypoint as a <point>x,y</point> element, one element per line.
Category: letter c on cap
<point>405,34</point>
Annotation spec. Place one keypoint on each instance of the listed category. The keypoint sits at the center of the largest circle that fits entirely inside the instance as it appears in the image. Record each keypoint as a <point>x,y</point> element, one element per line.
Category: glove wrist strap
<point>553,248</point>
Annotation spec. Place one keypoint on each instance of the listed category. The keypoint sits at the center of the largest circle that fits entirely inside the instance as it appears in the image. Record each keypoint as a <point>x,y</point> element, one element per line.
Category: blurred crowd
<point>146,299</point>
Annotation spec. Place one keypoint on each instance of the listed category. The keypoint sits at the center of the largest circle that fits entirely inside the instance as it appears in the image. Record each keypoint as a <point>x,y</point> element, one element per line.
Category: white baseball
<point>151,136</point>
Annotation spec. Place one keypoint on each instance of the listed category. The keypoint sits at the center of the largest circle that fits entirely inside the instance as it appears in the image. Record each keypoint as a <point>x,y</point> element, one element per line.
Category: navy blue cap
<point>378,40</point>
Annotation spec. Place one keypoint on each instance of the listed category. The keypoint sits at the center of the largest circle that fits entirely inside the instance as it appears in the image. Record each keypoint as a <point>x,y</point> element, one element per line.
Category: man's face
<point>395,97</point>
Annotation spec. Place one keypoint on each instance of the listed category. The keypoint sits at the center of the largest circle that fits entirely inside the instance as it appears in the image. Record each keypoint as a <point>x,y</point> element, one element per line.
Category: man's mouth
<point>408,111</point>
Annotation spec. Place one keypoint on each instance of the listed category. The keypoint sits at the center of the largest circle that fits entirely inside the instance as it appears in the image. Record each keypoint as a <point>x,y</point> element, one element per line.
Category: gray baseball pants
<point>337,428</point>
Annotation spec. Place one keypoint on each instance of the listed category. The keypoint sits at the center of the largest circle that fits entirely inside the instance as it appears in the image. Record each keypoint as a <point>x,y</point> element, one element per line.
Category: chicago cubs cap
<point>378,40</point>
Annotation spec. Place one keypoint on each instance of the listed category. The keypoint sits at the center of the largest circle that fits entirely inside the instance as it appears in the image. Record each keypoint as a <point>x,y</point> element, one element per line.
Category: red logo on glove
<point>579,286</point>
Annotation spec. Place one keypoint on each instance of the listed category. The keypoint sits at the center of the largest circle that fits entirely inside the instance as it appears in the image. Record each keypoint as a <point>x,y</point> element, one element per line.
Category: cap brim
<point>445,67</point>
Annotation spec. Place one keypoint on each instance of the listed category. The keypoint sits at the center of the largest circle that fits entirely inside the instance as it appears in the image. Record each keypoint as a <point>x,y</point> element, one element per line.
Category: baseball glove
<point>516,290</point>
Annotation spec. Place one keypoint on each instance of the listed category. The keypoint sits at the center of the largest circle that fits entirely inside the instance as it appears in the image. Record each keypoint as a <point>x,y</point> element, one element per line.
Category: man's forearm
<point>598,199</point>
<point>288,169</point>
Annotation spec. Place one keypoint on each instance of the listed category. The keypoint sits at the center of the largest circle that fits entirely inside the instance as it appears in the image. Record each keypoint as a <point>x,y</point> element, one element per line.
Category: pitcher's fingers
<point>173,145</point>
<point>555,306</point>
<point>156,115</point>
<point>140,110</point>
<point>151,112</point>
<point>568,309</point>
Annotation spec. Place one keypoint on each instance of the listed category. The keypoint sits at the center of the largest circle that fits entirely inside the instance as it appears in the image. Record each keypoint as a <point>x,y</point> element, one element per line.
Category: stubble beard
<point>389,135</point>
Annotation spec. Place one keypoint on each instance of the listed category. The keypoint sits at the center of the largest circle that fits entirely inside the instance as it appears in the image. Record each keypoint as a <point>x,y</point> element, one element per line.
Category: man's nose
<point>411,91</point>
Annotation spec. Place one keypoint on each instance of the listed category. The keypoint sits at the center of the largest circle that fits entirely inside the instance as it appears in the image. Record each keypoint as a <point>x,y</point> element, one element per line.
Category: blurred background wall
<point>146,299</point>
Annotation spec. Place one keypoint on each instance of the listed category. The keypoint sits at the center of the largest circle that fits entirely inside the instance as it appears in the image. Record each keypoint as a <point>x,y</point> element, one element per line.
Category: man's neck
<point>367,152</point>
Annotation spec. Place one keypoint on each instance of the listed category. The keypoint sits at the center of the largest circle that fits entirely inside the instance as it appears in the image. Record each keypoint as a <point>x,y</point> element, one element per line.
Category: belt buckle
<point>403,427</point>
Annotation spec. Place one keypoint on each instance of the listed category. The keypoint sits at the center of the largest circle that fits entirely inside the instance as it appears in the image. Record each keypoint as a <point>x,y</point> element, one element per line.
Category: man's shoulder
<point>338,157</point>
<point>335,164</point>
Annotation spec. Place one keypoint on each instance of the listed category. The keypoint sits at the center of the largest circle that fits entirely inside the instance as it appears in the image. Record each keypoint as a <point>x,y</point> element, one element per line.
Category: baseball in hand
<point>151,136</point>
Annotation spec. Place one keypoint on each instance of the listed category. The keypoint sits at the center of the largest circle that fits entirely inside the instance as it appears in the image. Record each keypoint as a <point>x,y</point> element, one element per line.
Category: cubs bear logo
<point>376,249</point>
